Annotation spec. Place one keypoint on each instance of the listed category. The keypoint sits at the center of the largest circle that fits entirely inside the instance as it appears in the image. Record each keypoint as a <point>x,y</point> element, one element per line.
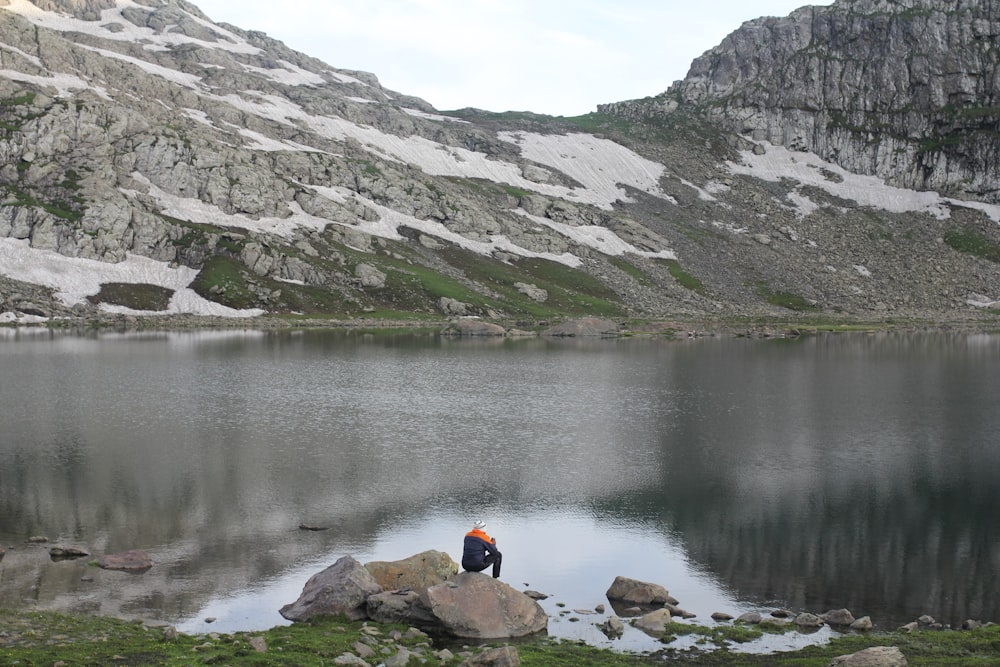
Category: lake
<point>829,471</point>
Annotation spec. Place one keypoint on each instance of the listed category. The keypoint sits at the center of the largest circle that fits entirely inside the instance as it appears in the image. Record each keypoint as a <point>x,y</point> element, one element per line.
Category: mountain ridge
<point>261,181</point>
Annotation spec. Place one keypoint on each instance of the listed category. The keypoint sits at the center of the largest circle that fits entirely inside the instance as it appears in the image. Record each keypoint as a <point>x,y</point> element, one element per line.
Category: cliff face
<point>908,90</point>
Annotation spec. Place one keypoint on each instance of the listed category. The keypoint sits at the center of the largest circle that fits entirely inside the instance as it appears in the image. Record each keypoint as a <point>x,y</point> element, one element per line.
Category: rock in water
<point>135,560</point>
<point>342,588</point>
<point>638,592</point>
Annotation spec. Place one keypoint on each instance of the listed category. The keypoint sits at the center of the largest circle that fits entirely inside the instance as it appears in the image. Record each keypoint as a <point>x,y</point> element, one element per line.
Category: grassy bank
<point>30,639</point>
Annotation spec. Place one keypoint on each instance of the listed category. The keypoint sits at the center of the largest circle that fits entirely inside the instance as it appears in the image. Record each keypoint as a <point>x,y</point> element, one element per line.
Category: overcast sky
<point>548,56</point>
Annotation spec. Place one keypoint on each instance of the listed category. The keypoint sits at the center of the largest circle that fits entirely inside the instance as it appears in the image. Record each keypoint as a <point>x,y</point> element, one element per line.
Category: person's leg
<point>495,562</point>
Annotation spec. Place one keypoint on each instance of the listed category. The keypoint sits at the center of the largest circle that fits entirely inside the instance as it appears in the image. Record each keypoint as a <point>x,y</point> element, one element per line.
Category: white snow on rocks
<point>598,238</point>
<point>777,163</point>
<point>74,279</point>
<point>601,165</point>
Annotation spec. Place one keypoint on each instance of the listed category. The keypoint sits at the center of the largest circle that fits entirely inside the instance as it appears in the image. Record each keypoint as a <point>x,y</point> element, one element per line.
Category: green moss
<point>784,299</point>
<point>683,278</point>
<point>224,280</point>
<point>972,242</point>
<point>134,296</point>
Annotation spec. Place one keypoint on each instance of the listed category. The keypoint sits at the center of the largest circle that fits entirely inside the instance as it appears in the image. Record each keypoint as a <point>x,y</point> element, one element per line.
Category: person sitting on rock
<point>480,551</point>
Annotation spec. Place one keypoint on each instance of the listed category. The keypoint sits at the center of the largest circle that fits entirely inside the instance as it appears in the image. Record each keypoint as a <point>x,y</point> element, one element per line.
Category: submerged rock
<point>654,623</point>
<point>838,617</point>
<point>613,628</point>
<point>135,560</point>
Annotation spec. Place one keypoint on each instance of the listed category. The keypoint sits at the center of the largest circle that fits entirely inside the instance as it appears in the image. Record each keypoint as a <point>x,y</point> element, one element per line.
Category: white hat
<point>479,525</point>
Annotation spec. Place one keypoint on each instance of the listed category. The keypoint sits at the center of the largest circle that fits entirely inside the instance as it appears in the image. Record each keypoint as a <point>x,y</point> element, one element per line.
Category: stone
<point>678,612</point>
<point>876,656</point>
<point>399,607</point>
<point>613,627</point>
<point>654,623</point>
<point>505,656</point>
<point>417,572</point>
<point>624,589</point>
<point>400,658</point>
<point>477,606</point>
<point>807,620</point>
<point>370,276</point>
<point>470,326</point>
<point>258,644</point>
<point>135,560</point>
<point>342,588</point>
<point>66,553</point>
<point>863,624</point>
<point>588,326</point>
<point>721,616</point>
<point>838,617</point>
<point>750,618</point>
<point>350,660</point>
<point>535,595</point>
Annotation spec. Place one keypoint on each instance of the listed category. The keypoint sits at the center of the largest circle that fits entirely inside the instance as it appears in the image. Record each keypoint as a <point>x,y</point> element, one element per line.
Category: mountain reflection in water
<point>831,471</point>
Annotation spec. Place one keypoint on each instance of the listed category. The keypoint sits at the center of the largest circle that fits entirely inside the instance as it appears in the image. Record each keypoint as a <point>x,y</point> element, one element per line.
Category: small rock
<point>751,617</point>
<point>444,655</point>
<point>926,620</point>
<point>721,616</point>
<point>838,617</point>
<point>37,539</point>
<point>312,527</point>
<point>211,619</point>
<point>535,595</point>
<point>128,561</point>
<point>363,650</point>
<point>807,620</point>
<point>613,628</point>
<point>599,609</point>
<point>400,659</point>
<point>909,627</point>
<point>863,624</point>
<point>781,613</point>
<point>970,624</point>
<point>351,660</point>
<point>654,623</point>
<point>258,644</point>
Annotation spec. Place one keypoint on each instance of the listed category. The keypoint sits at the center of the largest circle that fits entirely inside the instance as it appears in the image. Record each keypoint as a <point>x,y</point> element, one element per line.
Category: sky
<point>547,56</point>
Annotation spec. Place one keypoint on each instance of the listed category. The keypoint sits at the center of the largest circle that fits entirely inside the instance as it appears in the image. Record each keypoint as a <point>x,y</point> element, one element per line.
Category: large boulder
<point>876,656</point>
<point>404,608</point>
<point>342,588</point>
<point>634,591</point>
<point>477,606</point>
<point>418,572</point>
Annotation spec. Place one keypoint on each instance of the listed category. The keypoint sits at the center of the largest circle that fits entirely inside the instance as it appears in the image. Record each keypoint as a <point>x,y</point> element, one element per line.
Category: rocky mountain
<point>839,162</point>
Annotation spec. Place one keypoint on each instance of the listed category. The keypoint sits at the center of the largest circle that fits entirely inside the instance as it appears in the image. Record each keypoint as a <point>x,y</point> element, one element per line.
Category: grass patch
<point>135,296</point>
<point>631,269</point>
<point>784,299</point>
<point>224,280</point>
<point>971,242</point>
<point>683,278</point>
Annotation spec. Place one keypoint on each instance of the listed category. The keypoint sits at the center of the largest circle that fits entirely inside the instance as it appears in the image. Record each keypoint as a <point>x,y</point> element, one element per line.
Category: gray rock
<point>721,616</point>
<point>654,623</point>
<point>863,624</point>
<point>613,627</point>
<point>838,617</point>
<point>750,617</point>
<point>477,606</point>
<point>807,620</point>
<point>417,572</point>
<point>876,656</point>
<point>403,608</point>
<point>468,326</point>
<point>505,656</point>
<point>624,589</point>
<point>135,560</point>
<point>342,588</point>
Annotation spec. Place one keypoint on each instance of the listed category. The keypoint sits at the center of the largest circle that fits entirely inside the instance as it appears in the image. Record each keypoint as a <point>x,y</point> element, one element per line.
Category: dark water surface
<point>856,471</point>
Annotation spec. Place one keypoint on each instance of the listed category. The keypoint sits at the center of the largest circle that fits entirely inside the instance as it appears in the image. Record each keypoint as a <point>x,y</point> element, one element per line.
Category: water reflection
<point>832,471</point>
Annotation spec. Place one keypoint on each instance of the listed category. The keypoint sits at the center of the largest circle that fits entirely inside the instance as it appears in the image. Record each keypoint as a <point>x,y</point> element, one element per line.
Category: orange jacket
<point>477,544</point>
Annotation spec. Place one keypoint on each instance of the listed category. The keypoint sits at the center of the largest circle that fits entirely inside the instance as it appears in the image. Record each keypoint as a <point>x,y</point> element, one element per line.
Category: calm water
<point>832,471</point>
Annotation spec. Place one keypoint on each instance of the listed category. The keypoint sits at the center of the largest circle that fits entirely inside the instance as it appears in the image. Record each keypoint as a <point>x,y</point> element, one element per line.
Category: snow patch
<point>599,238</point>
<point>74,279</point>
<point>808,169</point>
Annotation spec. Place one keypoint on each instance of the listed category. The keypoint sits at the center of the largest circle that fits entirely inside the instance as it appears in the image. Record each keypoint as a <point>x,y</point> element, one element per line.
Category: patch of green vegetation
<point>720,635</point>
<point>135,296</point>
<point>59,209</point>
<point>784,299</point>
<point>26,98</point>
<point>224,280</point>
<point>972,242</point>
<point>683,278</point>
<point>631,269</point>
<point>515,191</point>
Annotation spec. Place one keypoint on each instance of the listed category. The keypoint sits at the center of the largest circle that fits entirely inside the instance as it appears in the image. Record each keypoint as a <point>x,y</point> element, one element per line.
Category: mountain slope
<point>157,163</point>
